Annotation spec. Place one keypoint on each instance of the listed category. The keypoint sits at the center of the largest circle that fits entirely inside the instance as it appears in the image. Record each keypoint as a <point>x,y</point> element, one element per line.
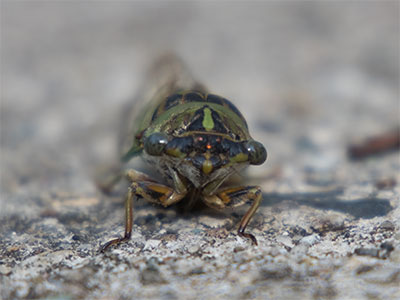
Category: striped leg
<point>234,197</point>
<point>152,191</point>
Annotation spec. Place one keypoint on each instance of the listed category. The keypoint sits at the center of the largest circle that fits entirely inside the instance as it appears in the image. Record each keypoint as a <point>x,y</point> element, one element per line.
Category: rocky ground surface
<point>312,79</point>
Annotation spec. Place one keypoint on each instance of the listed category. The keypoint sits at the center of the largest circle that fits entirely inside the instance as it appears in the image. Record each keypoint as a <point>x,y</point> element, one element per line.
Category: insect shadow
<point>365,208</point>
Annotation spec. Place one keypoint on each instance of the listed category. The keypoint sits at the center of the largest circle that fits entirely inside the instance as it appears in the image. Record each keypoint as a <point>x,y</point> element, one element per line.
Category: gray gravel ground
<point>310,77</point>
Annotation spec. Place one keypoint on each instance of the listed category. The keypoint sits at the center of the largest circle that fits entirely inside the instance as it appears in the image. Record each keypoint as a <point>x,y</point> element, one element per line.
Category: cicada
<point>196,140</point>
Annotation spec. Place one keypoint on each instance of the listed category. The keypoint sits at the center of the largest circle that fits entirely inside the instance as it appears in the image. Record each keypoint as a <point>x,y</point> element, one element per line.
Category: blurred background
<point>310,77</point>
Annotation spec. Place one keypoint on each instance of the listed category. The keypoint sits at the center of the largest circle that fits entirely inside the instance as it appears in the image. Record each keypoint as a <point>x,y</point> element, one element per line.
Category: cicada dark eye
<point>155,143</point>
<point>257,152</point>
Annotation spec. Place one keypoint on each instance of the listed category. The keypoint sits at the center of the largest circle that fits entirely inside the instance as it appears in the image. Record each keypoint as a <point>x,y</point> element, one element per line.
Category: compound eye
<point>155,143</point>
<point>257,152</point>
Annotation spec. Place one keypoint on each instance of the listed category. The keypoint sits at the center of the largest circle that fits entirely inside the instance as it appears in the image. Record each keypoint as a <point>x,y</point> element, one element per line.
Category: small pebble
<point>367,252</point>
<point>310,239</point>
<point>386,249</point>
<point>387,225</point>
<point>151,244</point>
<point>285,240</point>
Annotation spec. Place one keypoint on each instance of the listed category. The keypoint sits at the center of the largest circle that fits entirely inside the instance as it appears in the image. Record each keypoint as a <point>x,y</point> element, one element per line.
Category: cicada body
<point>196,141</point>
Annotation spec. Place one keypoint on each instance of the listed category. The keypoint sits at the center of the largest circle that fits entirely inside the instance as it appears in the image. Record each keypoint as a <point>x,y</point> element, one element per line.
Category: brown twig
<point>383,143</point>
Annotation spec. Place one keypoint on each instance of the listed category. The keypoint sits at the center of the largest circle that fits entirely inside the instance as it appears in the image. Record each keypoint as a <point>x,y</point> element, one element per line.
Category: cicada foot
<point>114,242</point>
<point>249,236</point>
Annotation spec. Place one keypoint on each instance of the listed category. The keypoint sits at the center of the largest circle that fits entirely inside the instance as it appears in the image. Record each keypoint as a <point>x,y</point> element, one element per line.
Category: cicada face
<point>202,137</point>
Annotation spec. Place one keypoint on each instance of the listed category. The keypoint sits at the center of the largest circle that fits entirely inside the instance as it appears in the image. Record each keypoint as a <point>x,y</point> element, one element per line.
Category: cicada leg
<point>143,186</point>
<point>234,197</point>
<point>128,222</point>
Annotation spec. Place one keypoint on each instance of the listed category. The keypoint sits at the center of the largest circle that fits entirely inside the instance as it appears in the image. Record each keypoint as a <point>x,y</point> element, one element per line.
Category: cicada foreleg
<point>143,186</point>
<point>234,197</point>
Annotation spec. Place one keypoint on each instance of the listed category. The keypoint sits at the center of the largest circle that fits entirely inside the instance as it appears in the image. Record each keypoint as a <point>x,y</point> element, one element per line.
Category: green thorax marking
<point>208,122</point>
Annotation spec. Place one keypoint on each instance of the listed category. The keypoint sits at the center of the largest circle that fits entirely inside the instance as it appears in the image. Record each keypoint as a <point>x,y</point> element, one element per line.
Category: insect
<point>196,141</point>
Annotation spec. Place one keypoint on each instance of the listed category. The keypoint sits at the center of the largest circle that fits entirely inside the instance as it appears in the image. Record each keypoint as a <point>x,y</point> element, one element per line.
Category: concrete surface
<point>310,77</point>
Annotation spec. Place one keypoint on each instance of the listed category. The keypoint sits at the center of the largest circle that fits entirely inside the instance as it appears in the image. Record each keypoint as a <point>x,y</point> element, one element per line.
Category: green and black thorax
<point>202,137</point>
